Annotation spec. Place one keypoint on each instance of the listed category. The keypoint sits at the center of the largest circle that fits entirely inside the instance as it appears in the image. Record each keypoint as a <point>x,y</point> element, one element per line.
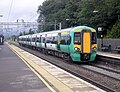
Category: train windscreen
<point>94,38</point>
<point>77,38</point>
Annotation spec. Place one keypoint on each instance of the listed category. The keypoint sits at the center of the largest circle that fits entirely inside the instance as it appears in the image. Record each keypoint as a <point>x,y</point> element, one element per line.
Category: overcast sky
<point>19,9</point>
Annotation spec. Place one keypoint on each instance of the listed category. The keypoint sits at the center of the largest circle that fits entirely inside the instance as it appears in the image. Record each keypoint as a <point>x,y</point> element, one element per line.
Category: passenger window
<point>55,39</point>
<point>65,40</point>
<point>42,39</point>
<point>69,40</point>
<point>37,39</point>
<point>48,39</point>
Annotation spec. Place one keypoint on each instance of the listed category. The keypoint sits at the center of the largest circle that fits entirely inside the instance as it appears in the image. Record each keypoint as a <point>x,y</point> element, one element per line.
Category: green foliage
<point>30,31</point>
<point>115,32</point>
<point>27,33</point>
<point>80,12</point>
<point>20,34</point>
<point>14,37</point>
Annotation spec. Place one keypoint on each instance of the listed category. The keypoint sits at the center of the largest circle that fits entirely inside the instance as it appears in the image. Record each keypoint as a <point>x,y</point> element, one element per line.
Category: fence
<point>113,42</point>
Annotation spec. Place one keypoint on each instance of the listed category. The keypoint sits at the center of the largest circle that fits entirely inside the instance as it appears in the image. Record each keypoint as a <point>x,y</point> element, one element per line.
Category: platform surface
<point>109,54</point>
<point>60,79</point>
<point>16,76</point>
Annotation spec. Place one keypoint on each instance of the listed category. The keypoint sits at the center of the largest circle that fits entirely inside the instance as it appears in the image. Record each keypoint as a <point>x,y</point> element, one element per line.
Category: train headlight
<point>94,48</point>
<point>77,49</point>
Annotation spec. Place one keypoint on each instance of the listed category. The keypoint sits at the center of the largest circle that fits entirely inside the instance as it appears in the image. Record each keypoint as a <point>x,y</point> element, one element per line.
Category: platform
<point>16,76</point>
<point>60,79</point>
<point>108,54</point>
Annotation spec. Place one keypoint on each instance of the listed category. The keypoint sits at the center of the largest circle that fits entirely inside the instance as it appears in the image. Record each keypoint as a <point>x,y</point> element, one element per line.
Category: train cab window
<point>77,38</point>
<point>94,38</point>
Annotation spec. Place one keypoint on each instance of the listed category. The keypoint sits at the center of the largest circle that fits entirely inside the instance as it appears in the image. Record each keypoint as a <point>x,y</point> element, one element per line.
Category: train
<point>78,44</point>
<point>1,39</point>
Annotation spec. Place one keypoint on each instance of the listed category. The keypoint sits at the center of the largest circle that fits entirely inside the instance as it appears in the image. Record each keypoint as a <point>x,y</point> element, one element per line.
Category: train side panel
<point>65,42</point>
<point>38,42</point>
<point>78,43</point>
<point>51,41</point>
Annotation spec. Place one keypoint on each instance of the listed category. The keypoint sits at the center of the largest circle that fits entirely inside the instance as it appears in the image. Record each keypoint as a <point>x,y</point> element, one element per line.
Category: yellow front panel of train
<point>86,42</point>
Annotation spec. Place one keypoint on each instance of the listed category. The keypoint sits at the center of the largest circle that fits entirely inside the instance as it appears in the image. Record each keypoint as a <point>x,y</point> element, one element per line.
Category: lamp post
<point>60,26</point>
<point>95,11</point>
<point>100,29</point>
<point>55,25</point>
<point>20,25</point>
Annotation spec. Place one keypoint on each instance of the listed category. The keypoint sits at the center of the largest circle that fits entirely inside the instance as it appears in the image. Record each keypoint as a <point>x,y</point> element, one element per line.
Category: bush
<point>115,32</point>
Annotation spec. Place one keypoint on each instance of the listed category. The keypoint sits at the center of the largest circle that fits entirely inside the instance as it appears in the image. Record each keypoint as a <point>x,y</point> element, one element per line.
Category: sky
<point>13,10</point>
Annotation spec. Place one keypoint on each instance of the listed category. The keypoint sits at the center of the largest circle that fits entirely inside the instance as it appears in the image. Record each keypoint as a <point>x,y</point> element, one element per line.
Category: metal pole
<point>60,26</point>
<point>55,24</point>
<point>101,41</point>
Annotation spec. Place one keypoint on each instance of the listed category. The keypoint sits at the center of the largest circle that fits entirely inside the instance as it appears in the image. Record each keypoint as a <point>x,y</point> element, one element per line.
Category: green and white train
<point>77,43</point>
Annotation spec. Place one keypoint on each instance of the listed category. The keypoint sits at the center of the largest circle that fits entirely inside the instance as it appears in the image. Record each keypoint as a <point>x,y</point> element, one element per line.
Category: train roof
<point>57,31</point>
<point>62,30</point>
<point>67,29</point>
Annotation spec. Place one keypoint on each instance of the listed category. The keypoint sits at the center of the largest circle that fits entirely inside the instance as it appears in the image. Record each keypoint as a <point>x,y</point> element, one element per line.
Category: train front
<point>84,45</point>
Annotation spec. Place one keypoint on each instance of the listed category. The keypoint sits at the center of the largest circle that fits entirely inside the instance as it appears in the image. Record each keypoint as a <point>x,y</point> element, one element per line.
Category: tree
<point>30,31</point>
<point>115,32</point>
<point>20,34</point>
<point>80,12</point>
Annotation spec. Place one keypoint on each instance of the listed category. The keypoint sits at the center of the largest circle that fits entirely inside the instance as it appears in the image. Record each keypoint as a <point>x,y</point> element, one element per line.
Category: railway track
<point>110,60</point>
<point>104,71</point>
<point>102,76</point>
<point>107,68</point>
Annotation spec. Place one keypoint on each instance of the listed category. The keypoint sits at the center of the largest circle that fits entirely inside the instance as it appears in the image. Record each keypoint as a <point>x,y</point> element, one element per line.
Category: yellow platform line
<point>51,89</point>
<point>59,85</point>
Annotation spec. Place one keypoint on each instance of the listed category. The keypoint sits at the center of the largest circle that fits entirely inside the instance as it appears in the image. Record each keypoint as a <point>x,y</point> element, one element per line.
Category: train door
<point>65,42</point>
<point>59,37</point>
<point>36,41</point>
<point>45,40</point>
<point>86,44</point>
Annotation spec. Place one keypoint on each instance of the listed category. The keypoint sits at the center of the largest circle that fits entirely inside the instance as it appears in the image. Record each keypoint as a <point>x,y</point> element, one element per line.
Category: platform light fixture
<point>95,11</point>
